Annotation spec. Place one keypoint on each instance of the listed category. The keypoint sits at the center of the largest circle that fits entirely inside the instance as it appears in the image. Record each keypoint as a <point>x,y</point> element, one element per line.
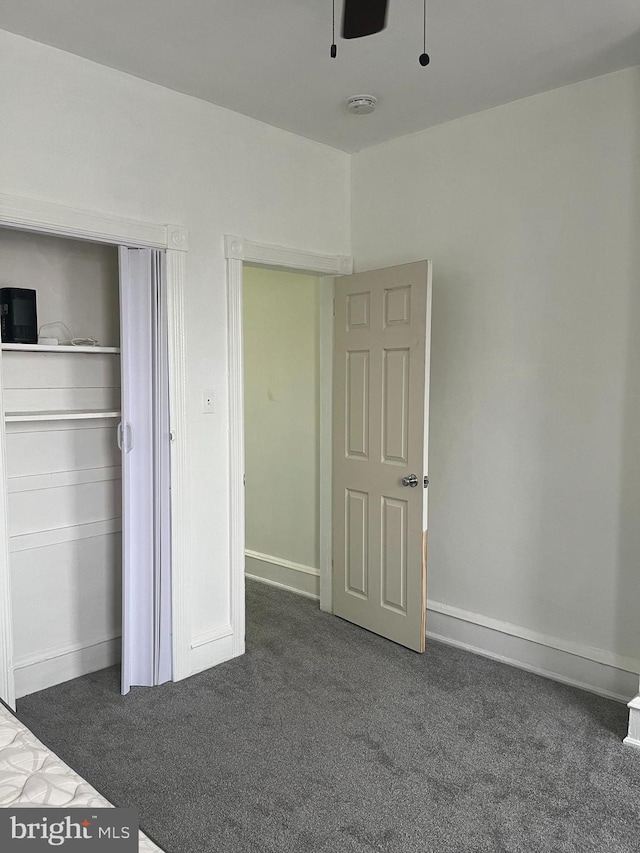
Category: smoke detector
<point>361,104</point>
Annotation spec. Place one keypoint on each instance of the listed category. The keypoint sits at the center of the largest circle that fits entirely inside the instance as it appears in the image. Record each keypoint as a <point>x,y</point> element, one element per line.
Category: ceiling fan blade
<point>363,18</point>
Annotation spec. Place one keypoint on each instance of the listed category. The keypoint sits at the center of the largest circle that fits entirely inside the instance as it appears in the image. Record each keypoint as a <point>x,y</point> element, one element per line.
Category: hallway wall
<point>282,418</point>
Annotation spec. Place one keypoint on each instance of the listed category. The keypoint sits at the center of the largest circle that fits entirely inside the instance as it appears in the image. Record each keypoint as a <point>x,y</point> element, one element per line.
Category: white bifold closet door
<point>144,436</point>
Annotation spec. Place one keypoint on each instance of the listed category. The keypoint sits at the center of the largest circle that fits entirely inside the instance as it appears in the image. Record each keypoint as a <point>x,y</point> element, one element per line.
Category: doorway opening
<point>282,405</point>
<point>379,426</point>
<point>241,254</point>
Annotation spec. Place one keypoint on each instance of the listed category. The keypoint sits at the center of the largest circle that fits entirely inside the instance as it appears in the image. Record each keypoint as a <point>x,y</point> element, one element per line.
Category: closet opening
<point>85,415</point>
<point>282,418</point>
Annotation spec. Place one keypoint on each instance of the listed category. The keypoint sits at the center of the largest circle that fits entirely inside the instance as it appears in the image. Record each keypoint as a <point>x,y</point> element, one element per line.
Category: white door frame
<point>239,251</point>
<point>49,218</point>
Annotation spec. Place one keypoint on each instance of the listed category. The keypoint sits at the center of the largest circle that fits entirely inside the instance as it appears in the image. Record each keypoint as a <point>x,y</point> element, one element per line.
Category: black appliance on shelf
<point>18,318</point>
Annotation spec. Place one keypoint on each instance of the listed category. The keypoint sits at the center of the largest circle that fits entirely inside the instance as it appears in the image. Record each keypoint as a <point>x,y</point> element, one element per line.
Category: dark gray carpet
<point>326,738</point>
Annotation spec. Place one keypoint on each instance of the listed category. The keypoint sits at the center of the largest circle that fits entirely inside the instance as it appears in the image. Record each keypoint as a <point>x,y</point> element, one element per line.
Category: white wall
<point>531,214</point>
<point>84,135</point>
<point>76,282</point>
<point>281,380</point>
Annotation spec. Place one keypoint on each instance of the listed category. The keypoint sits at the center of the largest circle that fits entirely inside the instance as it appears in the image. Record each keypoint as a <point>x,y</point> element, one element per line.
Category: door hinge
<point>426,481</point>
<point>334,307</point>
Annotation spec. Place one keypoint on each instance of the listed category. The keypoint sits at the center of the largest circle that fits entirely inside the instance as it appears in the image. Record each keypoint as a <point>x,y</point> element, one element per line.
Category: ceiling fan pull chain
<point>424,56</point>
<point>334,49</point>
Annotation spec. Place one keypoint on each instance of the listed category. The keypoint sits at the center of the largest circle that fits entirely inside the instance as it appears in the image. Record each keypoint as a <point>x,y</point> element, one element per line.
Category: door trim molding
<point>633,736</point>
<point>238,251</point>
<point>326,433</point>
<point>47,217</point>
<point>176,280</point>
<point>265,254</point>
<point>236,449</point>
<point>7,678</point>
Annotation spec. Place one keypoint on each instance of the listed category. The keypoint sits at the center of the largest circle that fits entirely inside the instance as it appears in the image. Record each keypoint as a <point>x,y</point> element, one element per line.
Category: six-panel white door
<point>380,438</point>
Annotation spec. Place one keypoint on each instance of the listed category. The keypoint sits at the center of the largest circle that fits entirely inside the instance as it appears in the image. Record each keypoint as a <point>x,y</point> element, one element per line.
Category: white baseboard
<point>590,669</point>
<point>283,574</point>
<point>62,663</point>
<point>56,665</point>
<point>283,586</point>
<point>586,667</point>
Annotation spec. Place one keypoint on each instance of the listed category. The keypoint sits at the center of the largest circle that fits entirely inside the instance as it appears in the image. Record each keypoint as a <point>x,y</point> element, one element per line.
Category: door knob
<point>411,480</point>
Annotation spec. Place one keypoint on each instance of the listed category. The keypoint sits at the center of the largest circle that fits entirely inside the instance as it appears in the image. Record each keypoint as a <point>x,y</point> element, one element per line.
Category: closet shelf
<point>59,348</point>
<point>61,415</point>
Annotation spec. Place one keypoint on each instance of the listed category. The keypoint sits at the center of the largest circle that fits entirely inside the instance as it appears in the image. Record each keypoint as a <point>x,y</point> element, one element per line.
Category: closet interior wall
<point>61,410</point>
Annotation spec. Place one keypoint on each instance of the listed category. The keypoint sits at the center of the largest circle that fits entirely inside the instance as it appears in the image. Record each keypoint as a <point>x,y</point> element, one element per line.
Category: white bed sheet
<point>31,775</point>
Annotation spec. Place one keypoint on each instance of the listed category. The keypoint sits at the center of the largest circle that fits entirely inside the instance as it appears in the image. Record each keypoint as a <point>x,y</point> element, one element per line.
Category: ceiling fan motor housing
<point>363,18</point>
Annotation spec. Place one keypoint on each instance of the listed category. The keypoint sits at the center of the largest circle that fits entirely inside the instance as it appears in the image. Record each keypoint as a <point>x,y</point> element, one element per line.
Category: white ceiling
<point>270,58</point>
